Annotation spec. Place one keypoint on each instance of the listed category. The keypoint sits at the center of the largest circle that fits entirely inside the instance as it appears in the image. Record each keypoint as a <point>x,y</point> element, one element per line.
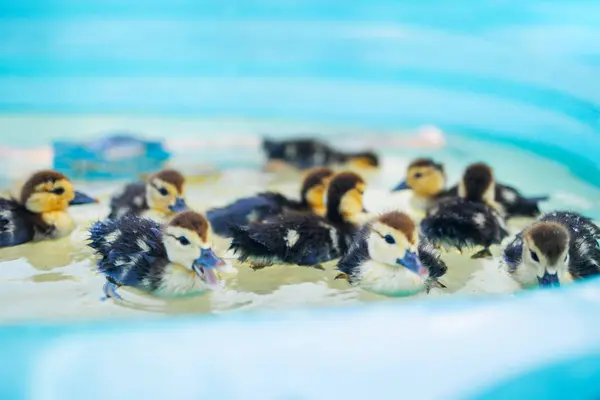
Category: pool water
<point>55,279</point>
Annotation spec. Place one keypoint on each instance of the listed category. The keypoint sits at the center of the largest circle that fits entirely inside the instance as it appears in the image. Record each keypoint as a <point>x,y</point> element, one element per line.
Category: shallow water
<point>55,279</point>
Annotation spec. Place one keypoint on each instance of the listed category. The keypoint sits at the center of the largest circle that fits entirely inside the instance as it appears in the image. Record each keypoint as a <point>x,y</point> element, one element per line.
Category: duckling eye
<point>417,175</point>
<point>389,239</point>
<point>534,256</point>
<point>58,191</point>
<point>183,240</point>
<point>163,191</point>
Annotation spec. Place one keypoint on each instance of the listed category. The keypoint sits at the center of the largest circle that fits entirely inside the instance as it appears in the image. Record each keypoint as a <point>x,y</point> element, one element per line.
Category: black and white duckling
<point>386,257</point>
<point>427,180</point>
<point>309,153</point>
<point>160,197</point>
<point>41,211</point>
<point>168,260</point>
<point>270,204</point>
<point>560,247</point>
<point>301,238</point>
<point>468,220</point>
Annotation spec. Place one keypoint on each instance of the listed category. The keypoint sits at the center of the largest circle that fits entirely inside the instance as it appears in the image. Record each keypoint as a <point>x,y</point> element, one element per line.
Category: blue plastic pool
<point>515,73</point>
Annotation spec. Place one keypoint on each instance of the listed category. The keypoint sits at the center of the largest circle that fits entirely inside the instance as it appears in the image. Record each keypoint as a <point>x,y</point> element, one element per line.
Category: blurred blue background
<point>519,72</point>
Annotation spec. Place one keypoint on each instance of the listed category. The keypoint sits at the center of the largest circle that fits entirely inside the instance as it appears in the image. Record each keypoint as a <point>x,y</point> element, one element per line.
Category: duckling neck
<point>357,219</point>
<point>390,280</point>
<point>156,213</point>
<point>58,224</point>
<point>179,280</point>
<point>319,210</point>
<point>420,202</point>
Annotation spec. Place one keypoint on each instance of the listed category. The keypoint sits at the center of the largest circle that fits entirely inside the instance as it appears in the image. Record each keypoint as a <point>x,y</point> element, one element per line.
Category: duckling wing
<point>357,254</point>
<point>248,210</point>
<point>430,258</point>
<point>131,200</point>
<point>16,225</point>
<point>294,238</point>
<point>513,253</point>
<point>515,204</point>
<point>132,250</point>
<point>462,224</point>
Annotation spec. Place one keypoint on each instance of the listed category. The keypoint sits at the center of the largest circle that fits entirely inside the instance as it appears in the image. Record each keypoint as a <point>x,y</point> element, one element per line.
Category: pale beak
<point>205,266</point>
<point>401,186</point>
<point>412,262</point>
<point>179,205</point>
<point>81,199</point>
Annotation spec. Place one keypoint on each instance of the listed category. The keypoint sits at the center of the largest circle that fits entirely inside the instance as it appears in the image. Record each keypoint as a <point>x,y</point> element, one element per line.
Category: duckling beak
<point>549,280</point>
<point>81,199</point>
<point>179,205</point>
<point>401,186</point>
<point>535,200</point>
<point>205,266</point>
<point>412,262</point>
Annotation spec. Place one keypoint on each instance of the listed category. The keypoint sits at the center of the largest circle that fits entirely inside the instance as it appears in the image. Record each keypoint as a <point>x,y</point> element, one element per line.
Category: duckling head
<point>425,177</point>
<point>365,159</point>
<point>186,239</point>
<point>393,241</point>
<point>50,191</point>
<point>313,188</point>
<point>345,196</point>
<point>546,252</point>
<point>165,191</point>
<point>477,184</point>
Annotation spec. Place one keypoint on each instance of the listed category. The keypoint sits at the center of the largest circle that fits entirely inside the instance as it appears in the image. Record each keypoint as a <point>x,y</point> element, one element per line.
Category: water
<point>55,279</point>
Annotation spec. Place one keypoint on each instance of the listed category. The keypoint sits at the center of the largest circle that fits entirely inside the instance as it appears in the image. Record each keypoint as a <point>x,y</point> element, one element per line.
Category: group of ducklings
<point>554,248</point>
<point>152,241</point>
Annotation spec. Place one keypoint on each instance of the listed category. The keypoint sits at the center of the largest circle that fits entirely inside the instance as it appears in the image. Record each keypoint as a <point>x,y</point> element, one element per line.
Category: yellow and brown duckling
<point>41,210</point>
<point>469,220</point>
<point>270,204</point>
<point>309,153</point>
<point>428,181</point>
<point>302,238</point>
<point>160,197</point>
<point>387,257</point>
<point>168,260</point>
<point>560,247</point>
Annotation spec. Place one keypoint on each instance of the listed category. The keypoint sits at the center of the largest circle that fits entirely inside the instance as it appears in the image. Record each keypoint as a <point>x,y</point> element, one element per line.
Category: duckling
<point>269,204</point>
<point>305,239</point>
<point>160,197</point>
<point>560,247</point>
<point>308,153</point>
<point>470,219</point>
<point>41,211</point>
<point>166,260</point>
<point>385,258</point>
<point>427,179</point>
